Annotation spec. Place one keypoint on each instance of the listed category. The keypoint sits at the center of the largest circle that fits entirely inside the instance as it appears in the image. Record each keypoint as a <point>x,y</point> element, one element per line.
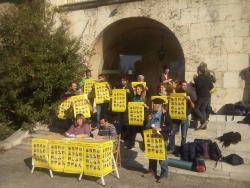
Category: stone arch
<point>144,36</point>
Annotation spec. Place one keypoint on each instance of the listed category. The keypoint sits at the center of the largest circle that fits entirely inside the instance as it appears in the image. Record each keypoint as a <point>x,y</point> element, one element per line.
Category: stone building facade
<point>189,31</point>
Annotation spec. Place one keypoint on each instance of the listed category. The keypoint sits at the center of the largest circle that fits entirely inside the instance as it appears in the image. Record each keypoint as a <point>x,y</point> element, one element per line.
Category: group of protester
<point>105,123</point>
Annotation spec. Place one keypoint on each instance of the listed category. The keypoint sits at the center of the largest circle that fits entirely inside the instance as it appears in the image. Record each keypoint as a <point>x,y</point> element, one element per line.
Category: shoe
<point>159,178</point>
<point>204,126</point>
<point>147,174</point>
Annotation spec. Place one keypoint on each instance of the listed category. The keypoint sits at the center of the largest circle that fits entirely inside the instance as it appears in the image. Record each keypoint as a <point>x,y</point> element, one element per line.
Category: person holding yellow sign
<point>133,130</point>
<point>102,106</point>
<point>156,122</point>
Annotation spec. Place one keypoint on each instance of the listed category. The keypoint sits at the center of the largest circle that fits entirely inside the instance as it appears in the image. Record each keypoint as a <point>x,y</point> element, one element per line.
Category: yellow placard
<point>57,155</point>
<point>133,84</point>
<point>102,93</point>
<point>88,86</point>
<point>178,106</point>
<point>63,107</point>
<point>40,152</point>
<point>82,107</point>
<point>136,113</point>
<point>164,98</point>
<point>154,145</point>
<point>119,100</point>
<point>74,157</point>
<point>97,160</point>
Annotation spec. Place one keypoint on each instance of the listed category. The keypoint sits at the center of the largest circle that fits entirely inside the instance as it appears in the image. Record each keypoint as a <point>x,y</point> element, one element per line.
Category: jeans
<point>184,128</point>
<point>201,109</point>
<point>164,167</point>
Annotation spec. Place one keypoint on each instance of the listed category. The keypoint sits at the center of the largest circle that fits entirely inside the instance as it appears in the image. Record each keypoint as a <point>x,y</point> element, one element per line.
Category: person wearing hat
<point>155,122</point>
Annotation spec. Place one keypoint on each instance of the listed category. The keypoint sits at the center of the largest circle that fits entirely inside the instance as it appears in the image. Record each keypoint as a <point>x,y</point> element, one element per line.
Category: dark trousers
<point>132,131</point>
<point>201,109</point>
<point>101,110</point>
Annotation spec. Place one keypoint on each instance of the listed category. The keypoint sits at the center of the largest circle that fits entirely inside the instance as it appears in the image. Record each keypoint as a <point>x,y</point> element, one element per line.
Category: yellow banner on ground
<point>102,93</point>
<point>133,84</point>
<point>119,100</point>
<point>154,145</point>
<point>88,86</point>
<point>164,98</point>
<point>136,113</point>
<point>178,106</point>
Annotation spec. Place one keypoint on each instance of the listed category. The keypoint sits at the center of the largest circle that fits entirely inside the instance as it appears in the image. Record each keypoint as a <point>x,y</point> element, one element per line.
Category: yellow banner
<point>178,106</point>
<point>73,156</point>
<point>101,92</point>
<point>136,113</point>
<point>88,86</point>
<point>154,145</point>
<point>119,100</point>
<point>133,84</point>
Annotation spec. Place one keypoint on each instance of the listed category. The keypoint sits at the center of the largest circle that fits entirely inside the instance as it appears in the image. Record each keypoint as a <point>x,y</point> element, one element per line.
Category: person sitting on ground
<point>106,129</point>
<point>80,128</point>
<point>155,121</point>
<point>72,90</point>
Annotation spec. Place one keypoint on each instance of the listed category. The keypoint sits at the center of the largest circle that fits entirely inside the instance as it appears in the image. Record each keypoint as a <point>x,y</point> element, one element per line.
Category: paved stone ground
<point>15,168</point>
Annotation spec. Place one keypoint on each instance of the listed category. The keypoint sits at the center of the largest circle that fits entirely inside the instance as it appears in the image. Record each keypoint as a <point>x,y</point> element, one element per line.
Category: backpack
<point>230,138</point>
<point>185,152</point>
<point>188,152</point>
<point>202,148</point>
<point>233,159</point>
<point>199,165</point>
<point>214,152</point>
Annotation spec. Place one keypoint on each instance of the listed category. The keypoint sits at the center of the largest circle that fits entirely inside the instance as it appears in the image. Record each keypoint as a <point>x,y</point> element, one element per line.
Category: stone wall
<point>213,31</point>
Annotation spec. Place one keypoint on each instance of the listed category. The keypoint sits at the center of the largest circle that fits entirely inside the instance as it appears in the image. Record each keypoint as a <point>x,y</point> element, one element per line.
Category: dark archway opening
<point>146,38</point>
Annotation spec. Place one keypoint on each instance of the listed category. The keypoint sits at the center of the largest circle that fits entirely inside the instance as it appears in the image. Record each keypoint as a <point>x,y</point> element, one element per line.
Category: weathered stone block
<point>238,62</point>
<point>232,44</point>
<point>231,80</point>
<point>189,15</point>
<point>246,44</point>
<point>236,28</point>
<point>177,4</point>
<point>216,62</point>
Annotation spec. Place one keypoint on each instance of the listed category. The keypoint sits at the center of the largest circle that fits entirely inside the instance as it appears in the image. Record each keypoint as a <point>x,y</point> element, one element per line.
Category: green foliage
<point>38,60</point>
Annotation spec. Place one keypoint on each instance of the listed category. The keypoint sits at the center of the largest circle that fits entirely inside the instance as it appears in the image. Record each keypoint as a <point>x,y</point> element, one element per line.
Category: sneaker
<point>160,178</point>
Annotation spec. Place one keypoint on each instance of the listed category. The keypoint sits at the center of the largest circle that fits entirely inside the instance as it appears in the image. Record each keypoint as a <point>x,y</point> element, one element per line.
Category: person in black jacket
<point>203,86</point>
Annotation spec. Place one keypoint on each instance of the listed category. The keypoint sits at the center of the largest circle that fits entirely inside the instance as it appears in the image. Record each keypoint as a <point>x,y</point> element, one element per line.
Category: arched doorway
<point>142,40</point>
